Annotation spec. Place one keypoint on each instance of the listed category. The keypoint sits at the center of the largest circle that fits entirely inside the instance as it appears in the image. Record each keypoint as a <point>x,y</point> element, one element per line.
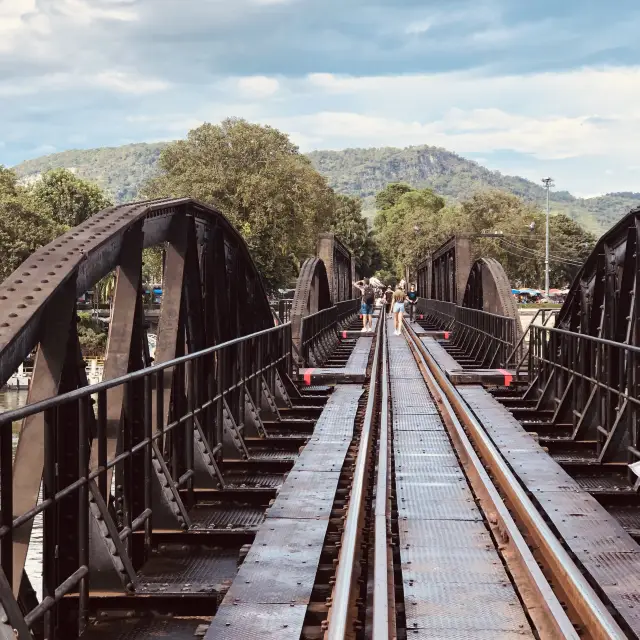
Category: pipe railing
<point>591,383</point>
<point>318,336</point>
<point>347,310</point>
<point>486,339</point>
<point>155,443</point>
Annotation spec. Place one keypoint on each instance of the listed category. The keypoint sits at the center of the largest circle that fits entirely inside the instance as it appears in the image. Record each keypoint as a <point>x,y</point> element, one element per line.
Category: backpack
<point>369,295</point>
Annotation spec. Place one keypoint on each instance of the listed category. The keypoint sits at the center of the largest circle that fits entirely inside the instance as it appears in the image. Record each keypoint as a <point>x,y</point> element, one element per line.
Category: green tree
<point>351,227</point>
<point>521,246</point>
<point>67,199</point>
<point>22,231</point>
<point>412,227</point>
<point>254,175</point>
<point>22,228</point>
<point>8,183</point>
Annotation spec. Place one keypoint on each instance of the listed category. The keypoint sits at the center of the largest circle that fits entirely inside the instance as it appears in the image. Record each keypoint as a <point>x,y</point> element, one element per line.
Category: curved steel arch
<point>312,294</point>
<point>340,265</point>
<point>602,296</point>
<point>488,288</point>
<point>71,264</point>
<point>212,292</point>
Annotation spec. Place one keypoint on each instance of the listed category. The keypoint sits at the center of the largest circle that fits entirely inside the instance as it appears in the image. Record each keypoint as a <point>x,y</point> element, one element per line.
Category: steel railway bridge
<point>282,475</point>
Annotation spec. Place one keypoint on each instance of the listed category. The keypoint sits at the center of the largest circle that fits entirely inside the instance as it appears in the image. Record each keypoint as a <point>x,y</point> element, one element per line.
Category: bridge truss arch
<point>212,294</point>
<point>313,294</point>
<point>340,266</point>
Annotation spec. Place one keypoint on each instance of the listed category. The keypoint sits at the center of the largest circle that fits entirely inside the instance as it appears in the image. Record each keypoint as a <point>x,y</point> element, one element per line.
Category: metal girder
<point>488,288</point>
<point>340,266</point>
<point>45,383</point>
<point>312,294</point>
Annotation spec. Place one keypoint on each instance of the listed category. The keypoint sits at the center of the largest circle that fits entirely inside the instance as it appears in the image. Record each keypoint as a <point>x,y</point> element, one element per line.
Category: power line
<point>540,254</point>
<point>527,257</point>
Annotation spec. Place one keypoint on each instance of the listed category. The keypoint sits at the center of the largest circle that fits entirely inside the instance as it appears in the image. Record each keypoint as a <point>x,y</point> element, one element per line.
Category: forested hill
<point>361,172</point>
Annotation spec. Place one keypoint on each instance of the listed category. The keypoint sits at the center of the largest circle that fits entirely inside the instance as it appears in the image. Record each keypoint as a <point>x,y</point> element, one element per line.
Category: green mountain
<point>359,172</point>
<point>118,170</point>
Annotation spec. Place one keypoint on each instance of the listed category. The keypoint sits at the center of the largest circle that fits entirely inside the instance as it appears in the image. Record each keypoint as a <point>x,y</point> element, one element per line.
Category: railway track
<point>438,539</point>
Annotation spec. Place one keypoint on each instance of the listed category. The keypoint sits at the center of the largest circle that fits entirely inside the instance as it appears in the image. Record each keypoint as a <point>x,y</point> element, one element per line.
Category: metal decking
<point>272,589</point>
<point>454,582</point>
<point>600,543</point>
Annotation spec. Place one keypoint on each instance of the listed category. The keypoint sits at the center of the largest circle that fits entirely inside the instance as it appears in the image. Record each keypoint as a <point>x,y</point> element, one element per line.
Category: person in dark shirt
<point>412,299</point>
<point>388,295</point>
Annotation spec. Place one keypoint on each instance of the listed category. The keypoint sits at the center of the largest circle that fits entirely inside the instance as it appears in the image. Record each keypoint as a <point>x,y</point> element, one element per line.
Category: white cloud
<point>124,82</point>
<point>257,86</point>
<point>418,27</point>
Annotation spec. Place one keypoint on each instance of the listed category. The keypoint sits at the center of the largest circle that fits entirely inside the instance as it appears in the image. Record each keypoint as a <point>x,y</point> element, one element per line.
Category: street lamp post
<point>548,183</point>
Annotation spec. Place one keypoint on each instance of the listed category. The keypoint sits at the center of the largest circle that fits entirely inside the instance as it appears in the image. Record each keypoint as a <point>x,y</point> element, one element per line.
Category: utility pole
<point>548,183</point>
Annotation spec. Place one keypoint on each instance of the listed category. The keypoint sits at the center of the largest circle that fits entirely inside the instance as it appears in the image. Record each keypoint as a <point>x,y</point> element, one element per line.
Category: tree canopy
<point>269,191</point>
<point>412,223</point>
<point>67,199</point>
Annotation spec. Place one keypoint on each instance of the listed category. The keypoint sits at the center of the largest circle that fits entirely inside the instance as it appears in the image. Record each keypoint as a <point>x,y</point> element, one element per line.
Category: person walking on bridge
<point>366,308</point>
<point>388,295</point>
<point>412,299</point>
<point>398,309</point>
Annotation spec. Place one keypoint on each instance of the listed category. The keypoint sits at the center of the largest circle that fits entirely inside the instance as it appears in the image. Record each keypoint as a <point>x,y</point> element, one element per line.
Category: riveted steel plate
<point>426,459</point>
<point>444,510</point>
<point>426,408</point>
<point>410,492</point>
<point>466,608</point>
<point>205,517</point>
<point>321,448</point>
<point>199,570</point>
<point>305,494</point>
<point>419,422</point>
<point>147,627</point>
<point>424,567</point>
<point>436,441</point>
<point>444,534</point>
<point>287,579</point>
<point>289,534</point>
<point>328,461</point>
<point>448,475</point>
<point>438,353</point>
<point>257,622</point>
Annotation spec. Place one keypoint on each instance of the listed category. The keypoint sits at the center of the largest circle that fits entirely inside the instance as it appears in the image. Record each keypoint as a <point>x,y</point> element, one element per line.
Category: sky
<point>528,87</point>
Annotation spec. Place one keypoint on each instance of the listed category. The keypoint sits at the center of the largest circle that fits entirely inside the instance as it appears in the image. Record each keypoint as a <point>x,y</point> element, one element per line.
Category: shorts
<point>398,307</point>
<point>366,309</point>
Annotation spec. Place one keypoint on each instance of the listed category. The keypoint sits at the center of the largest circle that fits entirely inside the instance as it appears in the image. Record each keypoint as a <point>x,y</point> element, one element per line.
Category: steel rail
<point>341,601</point>
<point>382,556</point>
<point>592,612</point>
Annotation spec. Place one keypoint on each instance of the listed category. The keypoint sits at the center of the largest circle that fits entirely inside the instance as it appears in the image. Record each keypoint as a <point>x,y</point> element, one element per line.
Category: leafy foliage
<point>257,177</point>
<point>420,221</point>
<point>412,224</point>
<point>352,229</point>
<point>92,335</point>
<point>67,199</point>
<point>22,228</point>
<point>33,216</point>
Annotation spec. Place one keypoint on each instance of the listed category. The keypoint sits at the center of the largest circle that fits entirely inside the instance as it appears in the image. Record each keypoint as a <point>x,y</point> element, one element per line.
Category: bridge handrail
<point>211,384</point>
<point>318,335</point>
<point>38,407</point>
<point>582,365</point>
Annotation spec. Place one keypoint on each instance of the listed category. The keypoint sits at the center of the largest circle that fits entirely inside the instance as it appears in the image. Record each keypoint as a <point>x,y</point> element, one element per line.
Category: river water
<point>10,399</point>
